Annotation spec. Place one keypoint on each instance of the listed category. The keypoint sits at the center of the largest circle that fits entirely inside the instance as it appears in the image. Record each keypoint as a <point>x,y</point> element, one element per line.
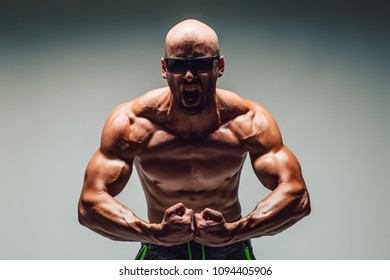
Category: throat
<point>192,121</point>
<point>195,127</point>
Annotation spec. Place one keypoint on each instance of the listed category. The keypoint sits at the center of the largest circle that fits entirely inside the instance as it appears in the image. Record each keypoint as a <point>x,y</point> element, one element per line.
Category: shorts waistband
<point>195,251</point>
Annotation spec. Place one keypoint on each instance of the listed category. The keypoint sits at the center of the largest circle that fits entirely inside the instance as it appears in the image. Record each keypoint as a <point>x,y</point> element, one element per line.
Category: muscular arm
<point>278,170</point>
<point>98,209</point>
<point>107,174</point>
<point>286,204</point>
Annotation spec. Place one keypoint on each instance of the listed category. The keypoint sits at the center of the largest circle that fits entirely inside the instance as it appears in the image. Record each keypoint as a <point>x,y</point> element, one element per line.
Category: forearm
<point>106,216</point>
<point>281,209</point>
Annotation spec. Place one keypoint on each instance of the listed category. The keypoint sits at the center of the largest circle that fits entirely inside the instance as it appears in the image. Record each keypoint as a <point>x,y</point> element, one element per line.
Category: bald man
<point>188,142</point>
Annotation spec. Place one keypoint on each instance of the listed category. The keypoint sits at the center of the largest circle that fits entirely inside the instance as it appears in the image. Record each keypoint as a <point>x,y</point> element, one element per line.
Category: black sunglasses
<point>201,64</point>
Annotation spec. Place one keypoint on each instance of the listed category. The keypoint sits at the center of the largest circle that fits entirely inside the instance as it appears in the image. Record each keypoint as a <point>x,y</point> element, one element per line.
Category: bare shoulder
<point>253,124</point>
<point>126,128</point>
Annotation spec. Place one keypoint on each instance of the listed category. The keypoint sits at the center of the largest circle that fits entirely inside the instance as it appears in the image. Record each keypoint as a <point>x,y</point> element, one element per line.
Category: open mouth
<point>190,95</point>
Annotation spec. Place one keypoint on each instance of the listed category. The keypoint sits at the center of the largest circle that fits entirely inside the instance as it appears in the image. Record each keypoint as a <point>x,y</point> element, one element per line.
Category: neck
<point>197,125</point>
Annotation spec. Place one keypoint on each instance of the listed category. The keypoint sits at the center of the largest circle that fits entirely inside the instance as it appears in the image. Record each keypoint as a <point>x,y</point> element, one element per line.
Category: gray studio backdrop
<point>322,71</point>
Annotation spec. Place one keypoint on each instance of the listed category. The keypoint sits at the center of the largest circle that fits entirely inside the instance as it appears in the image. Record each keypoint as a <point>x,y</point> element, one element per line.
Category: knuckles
<point>180,218</point>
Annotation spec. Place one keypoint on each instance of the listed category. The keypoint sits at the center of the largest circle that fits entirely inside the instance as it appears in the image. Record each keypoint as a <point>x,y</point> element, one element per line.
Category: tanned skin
<point>189,154</point>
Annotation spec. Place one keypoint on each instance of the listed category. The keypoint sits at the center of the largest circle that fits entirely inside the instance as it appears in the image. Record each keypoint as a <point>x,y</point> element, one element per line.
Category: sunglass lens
<point>177,66</point>
<point>203,65</point>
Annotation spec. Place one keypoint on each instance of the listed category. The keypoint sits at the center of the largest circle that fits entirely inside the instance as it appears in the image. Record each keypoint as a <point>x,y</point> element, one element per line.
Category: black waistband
<point>192,250</point>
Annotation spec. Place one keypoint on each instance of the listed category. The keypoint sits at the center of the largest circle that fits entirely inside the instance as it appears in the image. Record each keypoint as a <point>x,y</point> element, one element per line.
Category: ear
<point>163,68</point>
<point>221,66</point>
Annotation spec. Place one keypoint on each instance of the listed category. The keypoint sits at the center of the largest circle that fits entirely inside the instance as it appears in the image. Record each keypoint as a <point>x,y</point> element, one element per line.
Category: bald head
<point>191,38</point>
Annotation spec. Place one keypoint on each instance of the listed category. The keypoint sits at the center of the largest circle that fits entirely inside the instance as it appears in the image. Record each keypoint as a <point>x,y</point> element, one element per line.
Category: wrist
<point>234,230</point>
<point>151,232</point>
<point>239,229</point>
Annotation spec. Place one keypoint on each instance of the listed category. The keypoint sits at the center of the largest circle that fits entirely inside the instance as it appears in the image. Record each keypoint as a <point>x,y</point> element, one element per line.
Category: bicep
<point>106,173</point>
<point>110,167</point>
<point>277,167</point>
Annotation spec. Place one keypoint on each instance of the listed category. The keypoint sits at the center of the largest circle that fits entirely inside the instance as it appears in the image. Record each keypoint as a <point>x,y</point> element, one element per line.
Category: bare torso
<point>200,174</point>
<point>190,168</point>
<point>201,171</point>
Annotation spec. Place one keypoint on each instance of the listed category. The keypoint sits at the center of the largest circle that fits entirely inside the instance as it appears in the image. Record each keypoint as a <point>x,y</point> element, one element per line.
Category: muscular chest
<point>199,162</point>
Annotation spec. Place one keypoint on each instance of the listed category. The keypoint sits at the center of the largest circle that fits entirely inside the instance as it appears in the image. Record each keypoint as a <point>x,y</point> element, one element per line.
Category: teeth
<point>190,89</point>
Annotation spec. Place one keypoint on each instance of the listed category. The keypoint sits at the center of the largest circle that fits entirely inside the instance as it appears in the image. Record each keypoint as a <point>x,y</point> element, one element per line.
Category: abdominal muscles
<point>195,182</point>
